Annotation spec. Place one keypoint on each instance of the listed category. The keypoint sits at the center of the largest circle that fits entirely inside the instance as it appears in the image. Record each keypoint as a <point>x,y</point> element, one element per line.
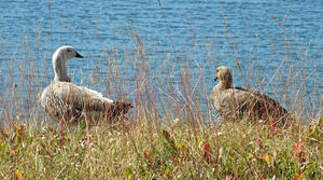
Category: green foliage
<point>176,151</point>
<point>167,136</point>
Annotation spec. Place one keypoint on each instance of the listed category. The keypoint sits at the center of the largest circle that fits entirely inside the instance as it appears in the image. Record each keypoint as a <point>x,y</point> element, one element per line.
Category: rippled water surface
<point>262,36</point>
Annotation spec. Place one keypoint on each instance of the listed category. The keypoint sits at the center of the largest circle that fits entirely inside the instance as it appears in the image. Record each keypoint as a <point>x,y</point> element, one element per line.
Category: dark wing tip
<point>122,106</point>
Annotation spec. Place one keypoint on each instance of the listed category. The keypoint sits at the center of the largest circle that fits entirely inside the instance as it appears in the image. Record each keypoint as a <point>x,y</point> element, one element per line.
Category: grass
<point>176,151</point>
<point>172,132</point>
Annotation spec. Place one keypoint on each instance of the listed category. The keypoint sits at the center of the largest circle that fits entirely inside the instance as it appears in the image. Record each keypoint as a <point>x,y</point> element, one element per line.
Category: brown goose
<point>236,103</point>
<point>63,100</point>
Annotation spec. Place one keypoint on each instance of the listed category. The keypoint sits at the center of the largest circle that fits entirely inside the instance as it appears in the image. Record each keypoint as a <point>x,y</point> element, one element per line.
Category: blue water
<point>261,35</point>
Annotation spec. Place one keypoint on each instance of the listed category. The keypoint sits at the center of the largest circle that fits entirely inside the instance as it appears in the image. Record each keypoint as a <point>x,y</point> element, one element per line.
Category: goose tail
<point>120,108</point>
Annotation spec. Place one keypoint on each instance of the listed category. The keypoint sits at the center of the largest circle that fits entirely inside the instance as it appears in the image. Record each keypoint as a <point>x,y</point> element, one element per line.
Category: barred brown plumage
<point>235,103</point>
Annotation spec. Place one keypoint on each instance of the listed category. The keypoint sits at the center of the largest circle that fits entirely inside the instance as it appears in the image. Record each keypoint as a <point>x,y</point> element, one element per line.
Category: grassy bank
<point>173,132</point>
<point>175,150</point>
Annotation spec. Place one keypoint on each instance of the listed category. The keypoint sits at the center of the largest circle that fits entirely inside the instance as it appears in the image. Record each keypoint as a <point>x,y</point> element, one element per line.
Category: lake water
<point>261,35</point>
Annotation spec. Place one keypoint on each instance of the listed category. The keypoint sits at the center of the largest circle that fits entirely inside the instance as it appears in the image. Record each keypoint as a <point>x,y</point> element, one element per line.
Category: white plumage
<point>63,100</point>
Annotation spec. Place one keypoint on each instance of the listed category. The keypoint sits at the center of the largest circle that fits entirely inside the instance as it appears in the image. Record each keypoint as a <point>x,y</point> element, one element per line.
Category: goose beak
<point>78,55</point>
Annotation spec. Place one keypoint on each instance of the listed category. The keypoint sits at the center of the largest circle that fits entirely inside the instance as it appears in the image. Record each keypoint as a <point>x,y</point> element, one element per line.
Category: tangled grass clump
<point>176,151</point>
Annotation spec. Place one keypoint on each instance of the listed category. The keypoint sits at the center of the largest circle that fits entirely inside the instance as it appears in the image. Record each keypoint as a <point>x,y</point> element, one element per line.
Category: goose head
<point>66,53</point>
<point>59,59</point>
<point>224,76</point>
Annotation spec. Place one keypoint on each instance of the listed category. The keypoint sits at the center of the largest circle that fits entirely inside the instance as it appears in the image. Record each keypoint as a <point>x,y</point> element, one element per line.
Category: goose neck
<point>224,85</point>
<point>59,68</point>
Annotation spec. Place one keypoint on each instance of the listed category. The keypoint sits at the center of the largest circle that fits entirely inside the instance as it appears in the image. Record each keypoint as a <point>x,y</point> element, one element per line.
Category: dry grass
<point>173,131</point>
<point>175,151</point>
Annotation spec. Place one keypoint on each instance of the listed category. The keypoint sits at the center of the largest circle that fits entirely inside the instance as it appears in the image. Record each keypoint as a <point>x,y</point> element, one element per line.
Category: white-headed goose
<point>63,100</point>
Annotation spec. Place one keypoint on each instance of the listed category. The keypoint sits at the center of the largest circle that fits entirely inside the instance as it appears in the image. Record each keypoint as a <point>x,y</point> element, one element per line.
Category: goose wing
<point>264,102</point>
<point>65,96</point>
<point>250,102</point>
